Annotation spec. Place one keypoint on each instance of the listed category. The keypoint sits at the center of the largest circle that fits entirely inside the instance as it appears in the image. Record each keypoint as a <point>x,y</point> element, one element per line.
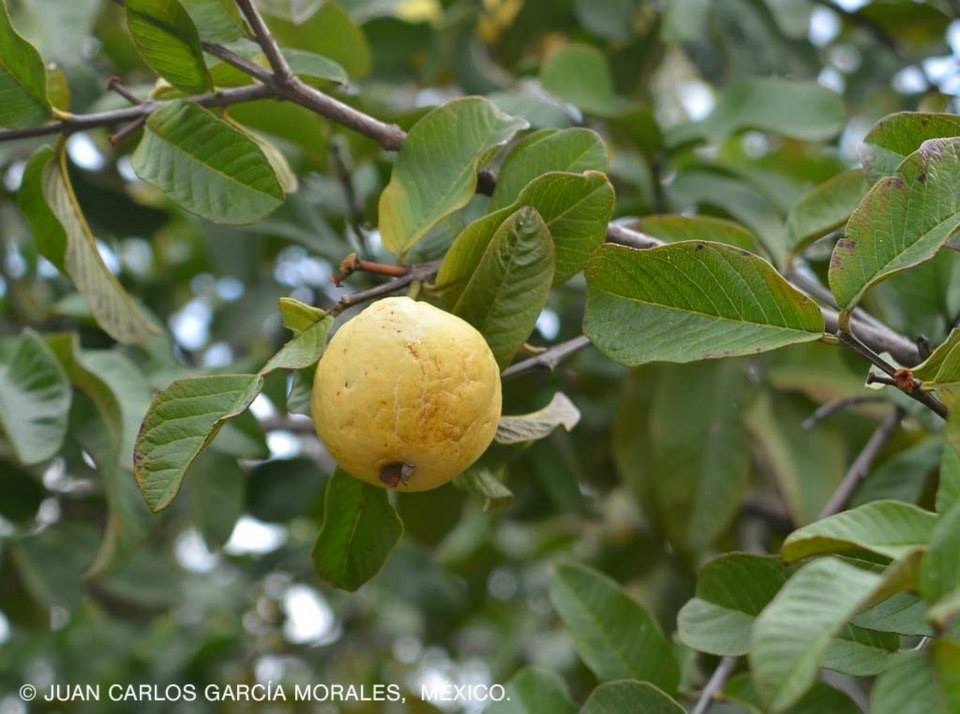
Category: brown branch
<point>834,406</point>
<point>902,378</point>
<point>261,33</point>
<point>82,122</point>
<point>860,467</point>
<point>414,274</point>
<point>114,84</point>
<point>548,359</point>
<point>235,60</point>
<point>353,264</point>
<point>133,127</point>
<point>715,684</point>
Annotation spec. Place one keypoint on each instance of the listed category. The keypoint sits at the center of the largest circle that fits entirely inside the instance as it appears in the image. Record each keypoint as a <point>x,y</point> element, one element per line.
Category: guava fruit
<point>406,395</point>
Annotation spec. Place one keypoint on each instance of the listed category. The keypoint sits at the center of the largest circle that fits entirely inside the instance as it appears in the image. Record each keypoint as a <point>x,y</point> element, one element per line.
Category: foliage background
<point>669,465</point>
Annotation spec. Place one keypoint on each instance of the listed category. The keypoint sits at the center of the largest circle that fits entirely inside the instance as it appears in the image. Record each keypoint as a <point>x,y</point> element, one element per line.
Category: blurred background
<point>220,588</point>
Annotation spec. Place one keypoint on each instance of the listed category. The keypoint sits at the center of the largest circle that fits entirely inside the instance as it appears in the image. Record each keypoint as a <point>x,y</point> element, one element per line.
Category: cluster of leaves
<point>708,356</point>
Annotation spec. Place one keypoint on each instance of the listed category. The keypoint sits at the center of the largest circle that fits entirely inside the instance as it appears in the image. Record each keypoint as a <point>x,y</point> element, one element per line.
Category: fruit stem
<point>352,263</point>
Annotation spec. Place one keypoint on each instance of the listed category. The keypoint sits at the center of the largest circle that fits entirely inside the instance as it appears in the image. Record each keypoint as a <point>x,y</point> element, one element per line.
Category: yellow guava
<point>406,395</point>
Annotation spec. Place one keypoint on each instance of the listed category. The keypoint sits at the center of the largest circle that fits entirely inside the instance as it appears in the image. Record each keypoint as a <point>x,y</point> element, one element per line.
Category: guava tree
<point>703,251</point>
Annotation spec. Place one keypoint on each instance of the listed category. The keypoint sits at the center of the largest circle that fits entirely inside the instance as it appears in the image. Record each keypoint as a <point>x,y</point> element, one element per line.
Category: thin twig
<point>354,264</point>
<point>834,406</point>
<point>133,127</point>
<point>82,122</point>
<point>861,465</point>
<point>715,684</point>
<point>235,60</point>
<point>114,84</point>
<point>281,70</point>
<point>621,235</point>
<point>414,274</point>
<point>902,378</point>
<point>548,359</point>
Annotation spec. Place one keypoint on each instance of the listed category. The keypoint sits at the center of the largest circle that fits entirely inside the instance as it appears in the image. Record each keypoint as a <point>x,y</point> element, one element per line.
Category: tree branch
<point>830,408</point>
<point>861,465</point>
<point>235,60</point>
<point>548,359</point>
<point>415,273</point>
<point>715,684</point>
<point>81,122</point>
<point>281,70</point>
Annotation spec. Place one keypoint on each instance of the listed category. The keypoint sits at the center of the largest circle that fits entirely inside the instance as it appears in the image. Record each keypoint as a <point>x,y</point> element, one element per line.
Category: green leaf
<point>940,572</point>
<point>510,284</point>
<point>888,528</point>
<point>731,195</point>
<point>359,530</point>
<point>52,562</point>
<point>303,350</point>
<point>572,150</point>
<point>539,424</point>
<point>948,493</point>
<point>575,207</point>
<point>580,74</point>
<point>34,400</point>
<point>48,234</point>
<point>945,611</point>
<point>114,309</point>
<point>901,222</point>
<point>731,591</point>
<point>482,480</point>
<point>114,384</point>
<point>207,166</point>
<point>691,301</point>
<point>298,316</point>
<point>808,464</point>
<point>182,420</point>
<point>534,691</point>
<point>902,614</point>
<point>614,636</point>
<point>859,652</point>
<point>629,697</point>
<point>677,228</point>
<point>794,109</point>
<point>216,20</point>
<point>217,495</point>
<point>908,687</point>
<point>942,367</point>
<point>23,79</point>
<point>896,136</point>
<point>436,170</point>
<point>824,208</point>
<point>698,459</point>
<point>820,698</point>
<point>792,634</point>
<point>169,43</point>
<point>946,662</point>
